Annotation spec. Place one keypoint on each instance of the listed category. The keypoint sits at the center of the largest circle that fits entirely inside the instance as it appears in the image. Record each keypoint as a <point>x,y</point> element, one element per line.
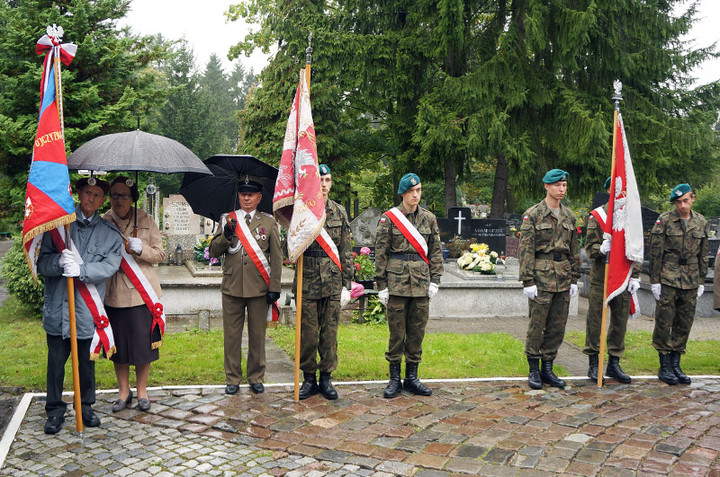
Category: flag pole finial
<point>309,50</point>
<point>617,86</point>
<point>55,32</point>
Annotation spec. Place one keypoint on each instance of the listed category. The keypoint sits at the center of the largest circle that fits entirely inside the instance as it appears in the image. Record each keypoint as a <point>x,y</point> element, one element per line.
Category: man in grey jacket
<point>98,243</point>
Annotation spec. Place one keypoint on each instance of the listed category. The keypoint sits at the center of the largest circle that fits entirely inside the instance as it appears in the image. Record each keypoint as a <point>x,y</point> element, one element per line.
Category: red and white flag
<point>298,202</point>
<point>624,219</point>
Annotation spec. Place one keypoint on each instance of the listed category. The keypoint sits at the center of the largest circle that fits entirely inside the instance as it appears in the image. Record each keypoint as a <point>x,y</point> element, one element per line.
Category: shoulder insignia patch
<point>526,218</point>
<point>658,221</point>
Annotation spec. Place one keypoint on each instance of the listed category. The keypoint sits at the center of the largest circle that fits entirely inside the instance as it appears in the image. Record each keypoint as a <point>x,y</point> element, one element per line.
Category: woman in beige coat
<point>130,318</point>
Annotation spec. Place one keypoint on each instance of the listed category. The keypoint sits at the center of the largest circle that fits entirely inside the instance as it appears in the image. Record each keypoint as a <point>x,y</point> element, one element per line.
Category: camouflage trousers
<point>318,334</point>
<point>546,330</point>
<point>618,313</point>
<point>674,316</point>
<point>407,318</point>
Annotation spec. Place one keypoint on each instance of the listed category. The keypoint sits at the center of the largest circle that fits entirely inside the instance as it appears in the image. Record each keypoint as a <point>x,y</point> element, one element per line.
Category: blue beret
<point>679,191</point>
<point>408,180</point>
<point>607,183</point>
<point>324,170</point>
<point>555,175</point>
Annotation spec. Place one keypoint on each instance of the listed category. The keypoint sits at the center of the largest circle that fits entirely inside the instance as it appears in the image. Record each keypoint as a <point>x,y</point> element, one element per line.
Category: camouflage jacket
<point>321,277</point>
<point>542,236</point>
<point>594,238</point>
<point>679,255</point>
<point>407,277</point>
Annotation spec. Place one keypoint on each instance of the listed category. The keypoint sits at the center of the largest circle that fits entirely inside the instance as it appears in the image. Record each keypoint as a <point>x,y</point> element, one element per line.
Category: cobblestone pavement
<point>481,428</point>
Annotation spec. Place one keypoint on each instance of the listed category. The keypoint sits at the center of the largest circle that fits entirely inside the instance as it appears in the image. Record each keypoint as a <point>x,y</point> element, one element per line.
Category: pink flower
<point>365,251</point>
<point>358,267</point>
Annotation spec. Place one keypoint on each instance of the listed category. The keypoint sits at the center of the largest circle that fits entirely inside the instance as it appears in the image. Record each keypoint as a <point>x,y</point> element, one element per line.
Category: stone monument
<point>364,227</point>
<point>180,225</point>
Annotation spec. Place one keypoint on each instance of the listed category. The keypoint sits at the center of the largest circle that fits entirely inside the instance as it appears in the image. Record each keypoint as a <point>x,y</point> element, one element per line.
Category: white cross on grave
<point>459,218</point>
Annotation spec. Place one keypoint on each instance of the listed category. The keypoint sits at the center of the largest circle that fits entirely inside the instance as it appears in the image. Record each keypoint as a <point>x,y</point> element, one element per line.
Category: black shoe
<point>548,376</point>
<point>675,365</point>
<point>616,372</point>
<point>90,419</point>
<point>54,424</point>
<point>666,374</point>
<point>231,389</point>
<point>412,384</point>
<point>143,404</point>
<point>257,388</point>
<point>121,404</point>
<point>593,367</point>
<point>534,380</point>
<point>326,387</point>
<point>394,386</point>
<point>309,386</point>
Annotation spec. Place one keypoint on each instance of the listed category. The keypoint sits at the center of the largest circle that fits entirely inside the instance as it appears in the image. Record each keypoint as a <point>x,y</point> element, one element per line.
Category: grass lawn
<point>640,358</point>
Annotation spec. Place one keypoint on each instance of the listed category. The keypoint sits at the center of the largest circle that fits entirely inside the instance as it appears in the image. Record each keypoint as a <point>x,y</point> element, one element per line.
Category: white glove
<point>656,288</point>
<point>71,268</point>
<point>573,289</point>
<point>135,245</point>
<point>66,256</point>
<point>607,243</point>
<point>701,290</point>
<point>384,296</point>
<point>530,292</point>
<point>633,286</point>
<point>432,290</point>
<point>344,297</point>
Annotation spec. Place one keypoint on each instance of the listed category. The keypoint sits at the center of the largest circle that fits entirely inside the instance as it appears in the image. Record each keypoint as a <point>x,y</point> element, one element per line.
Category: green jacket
<point>679,255</point>
<point>541,237</point>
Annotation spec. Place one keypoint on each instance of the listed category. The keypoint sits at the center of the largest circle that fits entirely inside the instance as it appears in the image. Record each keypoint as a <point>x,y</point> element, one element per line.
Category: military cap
<point>248,185</point>
<point>555,175</point>
<point>607,183</point>
<point>128,182</point>
<point>93,181</point>
<point>324,170</point>
<point>679,191</point>
<point>408,180</point>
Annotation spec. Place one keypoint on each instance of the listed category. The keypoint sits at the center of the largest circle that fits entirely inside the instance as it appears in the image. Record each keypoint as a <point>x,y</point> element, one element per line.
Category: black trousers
<point>58,354</point>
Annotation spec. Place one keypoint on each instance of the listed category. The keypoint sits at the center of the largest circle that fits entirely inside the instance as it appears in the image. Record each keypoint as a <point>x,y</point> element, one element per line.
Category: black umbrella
<point>135,151</point>
<point>212,196</point>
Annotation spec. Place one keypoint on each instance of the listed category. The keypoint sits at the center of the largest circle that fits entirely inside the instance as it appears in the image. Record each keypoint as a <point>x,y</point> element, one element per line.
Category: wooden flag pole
<point>70,282</point>
<point>603,323</point>
<point>299,265</point>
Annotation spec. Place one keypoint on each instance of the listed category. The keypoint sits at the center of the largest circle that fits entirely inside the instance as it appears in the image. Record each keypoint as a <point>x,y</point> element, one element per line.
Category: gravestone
<point>512,245</point>
<point>459,215</point>
<point>364,227</point>
<point>488,231</point>
<point>180,225</point>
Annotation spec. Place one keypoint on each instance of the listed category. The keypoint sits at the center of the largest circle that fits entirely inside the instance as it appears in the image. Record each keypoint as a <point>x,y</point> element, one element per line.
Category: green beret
<point>555,175</point>
<point>324,170</point>
<point>607,183</point>
<point>408,180</point>
<point>679,191</point>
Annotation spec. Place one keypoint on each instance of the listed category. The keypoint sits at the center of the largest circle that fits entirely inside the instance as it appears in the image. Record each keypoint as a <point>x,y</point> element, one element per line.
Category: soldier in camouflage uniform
<point>407,283</point>
<point>549,270</point>
<point>597,248</point>
<point>326,289</point>
<point>678,265</point>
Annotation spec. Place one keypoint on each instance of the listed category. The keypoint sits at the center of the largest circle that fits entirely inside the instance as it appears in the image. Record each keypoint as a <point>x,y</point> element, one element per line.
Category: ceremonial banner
<point>298,202</point>
<point>48,201</point>
<point>624,219</point>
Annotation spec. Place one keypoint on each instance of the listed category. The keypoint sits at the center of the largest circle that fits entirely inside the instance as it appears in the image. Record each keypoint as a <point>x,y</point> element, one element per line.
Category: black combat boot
<point>616,372</point>
<point>394,386</point>
<point>326,387</point>
<point>412,383</point>
<point>666,374</point>
<point>675,365</point>
<point>548,376</point>
<point>309,386</point>
<point>593,367</point>
<point>534,380</point>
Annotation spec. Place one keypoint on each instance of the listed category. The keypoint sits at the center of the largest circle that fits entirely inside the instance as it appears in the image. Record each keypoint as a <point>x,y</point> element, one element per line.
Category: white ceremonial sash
<point>147,293</point>
<point>327,244</point>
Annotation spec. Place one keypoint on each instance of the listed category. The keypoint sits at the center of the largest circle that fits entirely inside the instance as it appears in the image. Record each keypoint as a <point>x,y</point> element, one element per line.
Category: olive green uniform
<point>399,268</point>
<point>619,306</point>
<point>679,262</point>
<point>322,283</point>
<point>550,260</point>
<point>244,287</point>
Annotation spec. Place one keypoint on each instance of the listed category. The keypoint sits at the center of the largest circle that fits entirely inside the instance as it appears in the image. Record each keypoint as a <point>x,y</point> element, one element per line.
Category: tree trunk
<point>499,188</point>
<point>450,193</point>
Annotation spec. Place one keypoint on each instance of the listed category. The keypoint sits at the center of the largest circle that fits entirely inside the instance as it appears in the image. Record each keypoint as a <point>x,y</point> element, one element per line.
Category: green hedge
<point>18,279</point>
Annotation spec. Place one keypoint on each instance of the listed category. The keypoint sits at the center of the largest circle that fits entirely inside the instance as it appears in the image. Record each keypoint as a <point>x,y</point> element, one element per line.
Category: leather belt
<point>315,253</point>
<point>413,257</point>
<point>557,257</point>
<point>680,260</point>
